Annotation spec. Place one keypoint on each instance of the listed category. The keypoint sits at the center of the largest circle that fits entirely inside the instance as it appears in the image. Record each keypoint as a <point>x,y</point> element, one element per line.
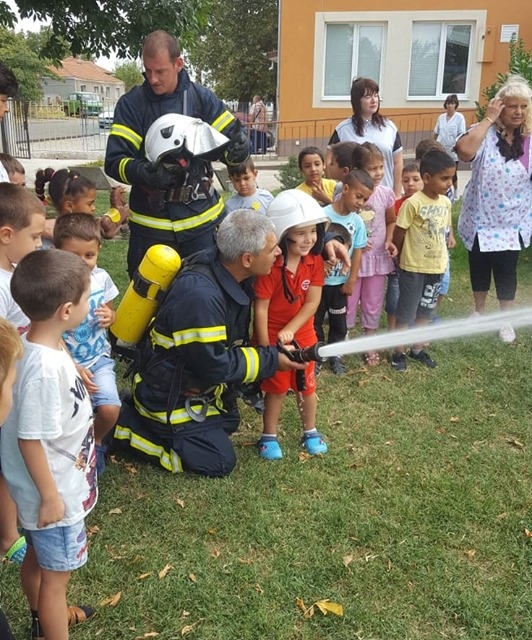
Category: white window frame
<point>354,59</point>
<point>441,60</point>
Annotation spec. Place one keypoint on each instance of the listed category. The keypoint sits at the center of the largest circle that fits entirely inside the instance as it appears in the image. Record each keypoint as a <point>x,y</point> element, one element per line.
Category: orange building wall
<point>296,50</point>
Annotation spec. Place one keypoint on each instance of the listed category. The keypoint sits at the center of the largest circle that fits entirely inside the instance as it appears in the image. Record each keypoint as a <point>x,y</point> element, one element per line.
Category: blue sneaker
<point>269,449</point>
<point>315,444</point>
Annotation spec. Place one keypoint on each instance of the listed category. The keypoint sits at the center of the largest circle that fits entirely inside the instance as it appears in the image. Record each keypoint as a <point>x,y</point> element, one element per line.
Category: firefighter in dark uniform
<point>184,392</point>
<point>177,207</point>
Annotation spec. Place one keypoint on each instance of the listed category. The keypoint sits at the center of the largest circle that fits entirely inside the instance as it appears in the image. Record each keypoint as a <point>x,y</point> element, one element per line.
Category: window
<point>96,89</point>
<point>117,92</point>
<point>107,92</point>
<point>439,59</point>
<point>351,50</point>
<point>83,87</point>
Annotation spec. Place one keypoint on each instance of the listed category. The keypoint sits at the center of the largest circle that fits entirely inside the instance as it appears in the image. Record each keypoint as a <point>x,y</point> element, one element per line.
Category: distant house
<point>78,75</point>
<point>417,50</point>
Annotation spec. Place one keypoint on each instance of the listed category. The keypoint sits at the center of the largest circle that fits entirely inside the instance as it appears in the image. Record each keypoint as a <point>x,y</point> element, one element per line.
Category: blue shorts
<point>59,548</point>
<point>103,372</point>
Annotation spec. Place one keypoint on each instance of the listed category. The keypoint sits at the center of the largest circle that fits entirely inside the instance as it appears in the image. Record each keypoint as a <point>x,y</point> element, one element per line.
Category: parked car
<point>82,103</point>
<point>105,118</point>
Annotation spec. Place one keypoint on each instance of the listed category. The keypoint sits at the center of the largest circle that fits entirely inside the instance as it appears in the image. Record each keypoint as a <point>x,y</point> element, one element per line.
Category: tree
<point>107,26</point>
<point>520,63</point>
<point>129,73</point>
<point>24,62</point>
<point>230,56</point>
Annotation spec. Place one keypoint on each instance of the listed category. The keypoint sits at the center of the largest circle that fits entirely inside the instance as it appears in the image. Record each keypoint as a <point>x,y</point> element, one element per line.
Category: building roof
<point>84,70</point>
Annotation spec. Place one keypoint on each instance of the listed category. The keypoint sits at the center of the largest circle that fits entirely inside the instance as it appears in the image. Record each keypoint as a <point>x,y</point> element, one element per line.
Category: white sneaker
<point>507,334</point>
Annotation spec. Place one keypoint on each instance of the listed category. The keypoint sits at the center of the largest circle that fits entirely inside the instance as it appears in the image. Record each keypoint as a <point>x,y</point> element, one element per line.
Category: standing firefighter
<point>184,392</point>
<point>173,205</point>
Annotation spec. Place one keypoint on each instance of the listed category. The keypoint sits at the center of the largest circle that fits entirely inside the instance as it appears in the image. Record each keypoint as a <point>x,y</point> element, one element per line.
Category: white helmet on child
<point>293,209</point>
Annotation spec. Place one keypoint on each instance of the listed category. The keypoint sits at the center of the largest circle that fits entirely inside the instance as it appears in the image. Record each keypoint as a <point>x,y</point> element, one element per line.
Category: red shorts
<point>284,380</point>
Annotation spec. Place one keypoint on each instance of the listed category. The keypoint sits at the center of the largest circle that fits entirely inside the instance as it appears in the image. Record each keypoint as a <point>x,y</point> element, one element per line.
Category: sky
<point>30,25</point>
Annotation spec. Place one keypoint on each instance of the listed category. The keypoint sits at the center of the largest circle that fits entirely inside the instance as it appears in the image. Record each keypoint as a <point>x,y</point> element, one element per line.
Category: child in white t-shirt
<point>248,196</point>
<point>21,226</point>
<point>48,456</point>
<point>88,344</point>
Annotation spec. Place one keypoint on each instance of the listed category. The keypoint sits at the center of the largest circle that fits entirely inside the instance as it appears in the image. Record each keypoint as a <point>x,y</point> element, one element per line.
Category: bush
<point>520,63</point>
<point>289,174</point>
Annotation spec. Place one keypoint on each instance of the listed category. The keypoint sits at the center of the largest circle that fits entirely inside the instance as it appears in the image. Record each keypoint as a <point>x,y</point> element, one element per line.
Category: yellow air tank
<point>139,304</point>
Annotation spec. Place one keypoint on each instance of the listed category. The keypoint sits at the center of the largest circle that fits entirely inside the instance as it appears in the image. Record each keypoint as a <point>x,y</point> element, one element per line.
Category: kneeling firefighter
<point>184,391</point>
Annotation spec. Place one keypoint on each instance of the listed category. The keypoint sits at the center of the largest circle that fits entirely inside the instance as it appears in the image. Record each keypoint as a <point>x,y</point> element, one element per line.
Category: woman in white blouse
<point>449,127</point>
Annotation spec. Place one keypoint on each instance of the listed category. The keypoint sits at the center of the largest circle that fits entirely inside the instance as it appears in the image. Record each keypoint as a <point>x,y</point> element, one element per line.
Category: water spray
<point>448,330</point>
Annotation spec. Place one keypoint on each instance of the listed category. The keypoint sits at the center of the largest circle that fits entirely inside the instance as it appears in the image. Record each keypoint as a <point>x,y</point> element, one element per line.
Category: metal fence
<point>40,130</point>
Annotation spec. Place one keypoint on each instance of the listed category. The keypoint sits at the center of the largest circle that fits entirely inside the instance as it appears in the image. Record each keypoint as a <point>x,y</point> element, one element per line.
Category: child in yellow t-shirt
<point>312,165</point>
<point>420,238</point>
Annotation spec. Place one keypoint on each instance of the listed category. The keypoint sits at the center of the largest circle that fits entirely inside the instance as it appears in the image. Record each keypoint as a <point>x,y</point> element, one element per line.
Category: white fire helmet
<point>293,209</point>
<point>174,133</point>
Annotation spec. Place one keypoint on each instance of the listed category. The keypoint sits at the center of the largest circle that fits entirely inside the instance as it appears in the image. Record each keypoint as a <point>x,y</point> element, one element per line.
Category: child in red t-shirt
<point>286,301</point>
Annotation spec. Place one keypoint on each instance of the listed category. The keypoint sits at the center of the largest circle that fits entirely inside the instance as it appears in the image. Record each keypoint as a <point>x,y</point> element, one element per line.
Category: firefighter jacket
<point>200,333</point>
<point>150,216</point>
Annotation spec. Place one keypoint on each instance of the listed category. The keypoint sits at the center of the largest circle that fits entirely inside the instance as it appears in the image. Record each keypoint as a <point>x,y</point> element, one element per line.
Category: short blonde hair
<point>517,87</point>
<point>10,349</point>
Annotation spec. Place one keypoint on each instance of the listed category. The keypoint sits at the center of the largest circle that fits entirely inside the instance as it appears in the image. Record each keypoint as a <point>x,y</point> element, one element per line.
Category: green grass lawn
<point>415,521</point>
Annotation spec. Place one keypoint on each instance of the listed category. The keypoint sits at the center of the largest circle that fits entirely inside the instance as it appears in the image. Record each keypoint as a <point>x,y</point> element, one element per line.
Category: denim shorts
<point>59,548</point>
<point>103,371</point>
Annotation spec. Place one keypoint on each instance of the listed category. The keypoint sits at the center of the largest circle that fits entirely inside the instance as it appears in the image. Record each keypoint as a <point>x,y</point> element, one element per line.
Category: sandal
<point>17,551</point>
<point>372,359</point>
<point>76,615</point>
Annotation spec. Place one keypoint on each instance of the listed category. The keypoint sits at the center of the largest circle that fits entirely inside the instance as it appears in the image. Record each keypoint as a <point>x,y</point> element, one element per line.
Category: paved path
<point>267,178</point>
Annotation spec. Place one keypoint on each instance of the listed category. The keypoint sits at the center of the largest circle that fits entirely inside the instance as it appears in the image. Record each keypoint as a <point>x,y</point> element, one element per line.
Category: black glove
<point>238,149</point>
<point>155,177</point>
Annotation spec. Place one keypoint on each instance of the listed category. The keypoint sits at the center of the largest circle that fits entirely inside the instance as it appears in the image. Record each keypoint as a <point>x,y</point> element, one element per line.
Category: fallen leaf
<point>441,430</point>
<point>308,613</point>
<point>259,589</point>
<point>192,577</point>
<point>388,443</point>
<point>215,553</point>
<point>185,614</point>
<point>111,601</point>
<point>347,560</point>
<point>501,516</point>
<point>528,533</point>
<point>390,414</point>
<point>470,554</point>
<point>454,419</point>
<point>515,443</point>
<point>115,511</point>
<point>164,572</point>
<point>211,532</point>
<point>303,456</point>
<point>362,382</point>
<point>245,560</point>
<point>113,459</point>
<point>144,575</point>
<point>180,502</point>
<point>188,628</point>
<point>93,530</point>
<point>326,605</point>
<point>130,468</point>
<point>387,378</point>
